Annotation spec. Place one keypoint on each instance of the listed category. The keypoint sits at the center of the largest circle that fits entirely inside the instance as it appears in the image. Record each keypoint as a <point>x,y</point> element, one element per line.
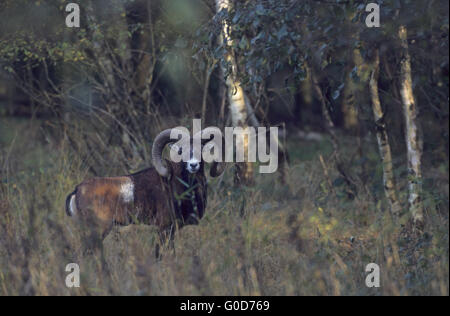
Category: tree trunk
<point>147,55</point>
<point>238,110</point>
<point>412,133</point>
<point>208,72</point>
<point>383,140</point>
<point>351,93</point>
<point>326,114</point>
<point>354,90</point>
<point>237,100</point>
<point>340,165</point>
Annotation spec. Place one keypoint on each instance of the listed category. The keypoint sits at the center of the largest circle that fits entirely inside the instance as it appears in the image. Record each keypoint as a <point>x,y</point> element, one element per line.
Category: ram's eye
<point>179,151</point>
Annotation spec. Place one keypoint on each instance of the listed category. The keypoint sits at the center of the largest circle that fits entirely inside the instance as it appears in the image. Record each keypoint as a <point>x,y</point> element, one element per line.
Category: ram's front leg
<point>166,241</point>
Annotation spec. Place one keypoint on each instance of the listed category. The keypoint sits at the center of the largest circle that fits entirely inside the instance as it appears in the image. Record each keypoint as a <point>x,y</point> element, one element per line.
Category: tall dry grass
<point>301,238</point>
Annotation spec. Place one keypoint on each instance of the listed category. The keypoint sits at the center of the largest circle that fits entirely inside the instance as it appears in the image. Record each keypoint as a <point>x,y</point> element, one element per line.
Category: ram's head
<point>188,150</point>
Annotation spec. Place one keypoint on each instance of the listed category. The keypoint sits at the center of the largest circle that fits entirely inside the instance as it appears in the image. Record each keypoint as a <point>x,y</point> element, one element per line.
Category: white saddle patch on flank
<point>127,191</point>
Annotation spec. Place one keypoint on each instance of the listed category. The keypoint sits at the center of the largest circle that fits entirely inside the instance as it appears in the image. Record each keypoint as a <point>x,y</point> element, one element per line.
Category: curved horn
<point>217,168</point>
<point>161,140</point>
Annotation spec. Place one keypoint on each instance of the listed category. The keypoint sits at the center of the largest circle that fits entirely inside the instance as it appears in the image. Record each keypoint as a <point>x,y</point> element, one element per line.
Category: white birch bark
<point>412,133</point>
<point>236,95</point>
<point>383,140</point>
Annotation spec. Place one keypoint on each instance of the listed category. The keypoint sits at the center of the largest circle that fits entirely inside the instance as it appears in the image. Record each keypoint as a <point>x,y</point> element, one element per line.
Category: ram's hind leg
<point>94,248</point>
<point>94,233</point>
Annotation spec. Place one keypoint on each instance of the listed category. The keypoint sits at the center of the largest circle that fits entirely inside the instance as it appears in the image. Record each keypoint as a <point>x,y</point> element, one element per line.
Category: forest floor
<point>312,235</point>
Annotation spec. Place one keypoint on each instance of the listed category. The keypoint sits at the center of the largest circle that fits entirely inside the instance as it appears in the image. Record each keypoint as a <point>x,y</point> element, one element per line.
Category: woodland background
<point>364,143</point>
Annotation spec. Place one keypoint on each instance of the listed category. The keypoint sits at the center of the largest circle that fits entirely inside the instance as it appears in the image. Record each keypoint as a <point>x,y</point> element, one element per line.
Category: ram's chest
<point>190,197</point>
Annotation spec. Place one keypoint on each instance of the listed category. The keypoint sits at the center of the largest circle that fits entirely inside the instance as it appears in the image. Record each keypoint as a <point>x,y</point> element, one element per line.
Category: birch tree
<point>236,97</point>
<point>352,89</point>
<point>384,146</point>
<point>412,133</point>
